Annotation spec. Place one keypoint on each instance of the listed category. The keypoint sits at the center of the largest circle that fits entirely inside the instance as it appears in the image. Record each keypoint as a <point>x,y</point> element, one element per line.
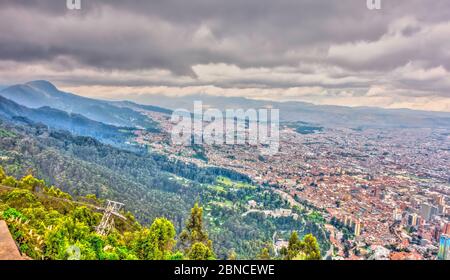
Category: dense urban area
<point>380,193</point>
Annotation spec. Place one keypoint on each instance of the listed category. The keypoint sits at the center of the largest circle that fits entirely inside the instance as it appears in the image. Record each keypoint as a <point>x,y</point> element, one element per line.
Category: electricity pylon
<point>107,222</point>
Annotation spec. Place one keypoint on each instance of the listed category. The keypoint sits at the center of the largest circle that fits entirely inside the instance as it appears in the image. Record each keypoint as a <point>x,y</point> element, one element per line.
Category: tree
<point>200,251</point>
<point>306,249</point>
<point>32,184</point>
<point>2,174</point>
<point>10,182</point>
<point>84,215</point>
<point>194,227</point>
<point>20,198</point>
<point>163,233</point>
<point>156,242</point>
<point>311,247</point>
<point>264,254</point>
<point>194,234</point>
<point>55,242</point>
<point>294,247</point>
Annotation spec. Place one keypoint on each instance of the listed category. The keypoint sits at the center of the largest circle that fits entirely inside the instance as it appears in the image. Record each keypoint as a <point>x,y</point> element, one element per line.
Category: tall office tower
<point>357,228</point>
<point>440,200</point>
<point>437,231</point>
<point>347,221</point>
<point>427,211</point>
<point>444,248</point>
<point>446,229</point>
<point>441,209</point>
<point>434,211</point>
<point>397,215</point>
<point>412,219</point>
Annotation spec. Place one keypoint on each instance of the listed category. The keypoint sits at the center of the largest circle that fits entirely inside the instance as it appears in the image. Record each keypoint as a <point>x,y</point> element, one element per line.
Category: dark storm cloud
<point>343,44</point>
<point>263,31</point>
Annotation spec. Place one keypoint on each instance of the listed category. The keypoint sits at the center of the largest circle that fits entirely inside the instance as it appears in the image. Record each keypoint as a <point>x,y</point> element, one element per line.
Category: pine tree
<point>311,247</point>
<point>194,234</point>
<point>306,249</point>
<point>156,242</point>
<point>194,227</point>
<point>294,246</point>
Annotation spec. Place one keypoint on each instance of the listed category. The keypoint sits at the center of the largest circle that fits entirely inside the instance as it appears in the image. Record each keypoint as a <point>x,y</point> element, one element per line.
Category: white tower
<point>107,222</point>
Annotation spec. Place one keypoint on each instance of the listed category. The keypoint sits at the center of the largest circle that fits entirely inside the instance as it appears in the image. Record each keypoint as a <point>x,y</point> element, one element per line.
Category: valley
<point>348,186</point>
<point>150,184</point>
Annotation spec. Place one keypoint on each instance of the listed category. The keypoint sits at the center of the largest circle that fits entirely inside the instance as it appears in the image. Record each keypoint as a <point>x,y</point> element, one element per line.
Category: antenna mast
<point>107,222</point>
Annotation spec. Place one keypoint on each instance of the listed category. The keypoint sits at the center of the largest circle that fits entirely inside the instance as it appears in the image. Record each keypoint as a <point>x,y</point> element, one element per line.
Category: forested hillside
<point>47,223</point>
<point>37,94</point>
<point>150,185</point>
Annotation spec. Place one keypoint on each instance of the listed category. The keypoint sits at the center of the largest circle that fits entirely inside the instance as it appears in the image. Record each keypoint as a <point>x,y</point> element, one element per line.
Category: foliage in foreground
<point>48,224</point>
<point>306,249</point>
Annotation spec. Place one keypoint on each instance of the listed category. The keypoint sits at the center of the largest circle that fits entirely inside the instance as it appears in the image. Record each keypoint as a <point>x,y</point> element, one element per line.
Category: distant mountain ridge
<point>135,106</point>
<point>61,120</point>
<point>37,94</point>
<point>323,115</point>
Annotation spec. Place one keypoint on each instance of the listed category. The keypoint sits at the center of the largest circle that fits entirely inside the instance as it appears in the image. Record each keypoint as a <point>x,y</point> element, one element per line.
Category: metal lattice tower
<point>107,223</point>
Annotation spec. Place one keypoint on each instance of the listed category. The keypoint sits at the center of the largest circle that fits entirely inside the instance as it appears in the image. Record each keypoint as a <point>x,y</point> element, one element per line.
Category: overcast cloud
<point>321,51</point>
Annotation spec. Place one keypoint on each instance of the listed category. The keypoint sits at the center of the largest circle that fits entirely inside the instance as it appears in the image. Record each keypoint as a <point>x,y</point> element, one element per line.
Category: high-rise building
<point>440,200</point>
<point>437,232</point>
<point>420,221</point>
<point>434,211</point>
<point>444,248</point>
<point>357,230</point>
<point>446,229</point>
<point>412,220</point>
<point>347,221</point>
<point>427,211</point>
<point>397,215</point>
<point>352,224</point>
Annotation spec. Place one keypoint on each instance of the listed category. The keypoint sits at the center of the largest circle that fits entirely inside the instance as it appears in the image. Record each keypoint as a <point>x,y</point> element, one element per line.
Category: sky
<point>335,52</point>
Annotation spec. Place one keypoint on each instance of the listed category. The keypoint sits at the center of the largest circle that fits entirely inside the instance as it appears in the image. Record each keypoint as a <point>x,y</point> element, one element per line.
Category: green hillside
<point>151,186</point>
<point>48,223</point>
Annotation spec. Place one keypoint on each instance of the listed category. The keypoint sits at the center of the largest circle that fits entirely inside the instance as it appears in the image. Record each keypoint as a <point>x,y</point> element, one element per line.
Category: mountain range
<point>322,115</point>
<point>62,120</point>
<point>42,94</point>
<point>38,94</point>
